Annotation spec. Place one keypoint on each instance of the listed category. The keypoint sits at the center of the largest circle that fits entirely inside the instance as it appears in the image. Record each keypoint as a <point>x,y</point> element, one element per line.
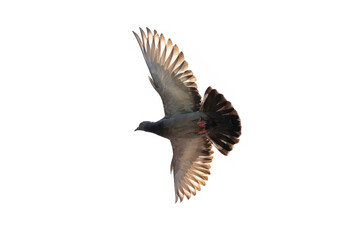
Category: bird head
<point>144,126</point>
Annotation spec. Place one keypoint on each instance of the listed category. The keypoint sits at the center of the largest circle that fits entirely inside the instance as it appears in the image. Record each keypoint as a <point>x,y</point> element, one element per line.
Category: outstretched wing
<point>169,75</point>
<point>190,164</point>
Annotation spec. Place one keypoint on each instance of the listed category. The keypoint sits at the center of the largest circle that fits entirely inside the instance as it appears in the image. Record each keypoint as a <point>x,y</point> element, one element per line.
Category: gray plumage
<point>190,125</point>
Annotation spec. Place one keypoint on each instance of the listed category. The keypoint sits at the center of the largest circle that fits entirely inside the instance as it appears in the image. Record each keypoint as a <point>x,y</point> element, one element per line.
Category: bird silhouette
<point>190,124</point>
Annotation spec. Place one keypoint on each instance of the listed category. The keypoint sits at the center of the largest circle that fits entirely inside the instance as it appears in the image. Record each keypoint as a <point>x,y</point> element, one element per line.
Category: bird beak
<point>136,129</point>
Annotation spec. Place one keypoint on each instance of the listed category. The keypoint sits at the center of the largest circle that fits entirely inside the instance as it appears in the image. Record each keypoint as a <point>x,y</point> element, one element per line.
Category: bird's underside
<point>190,125</point>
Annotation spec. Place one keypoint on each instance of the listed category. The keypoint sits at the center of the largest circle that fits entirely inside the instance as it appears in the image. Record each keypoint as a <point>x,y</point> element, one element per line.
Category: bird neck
<point>154,127</point>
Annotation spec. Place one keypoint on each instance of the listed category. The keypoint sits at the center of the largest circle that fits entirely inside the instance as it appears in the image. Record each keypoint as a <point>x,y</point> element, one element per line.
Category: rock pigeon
<point>190,124</point>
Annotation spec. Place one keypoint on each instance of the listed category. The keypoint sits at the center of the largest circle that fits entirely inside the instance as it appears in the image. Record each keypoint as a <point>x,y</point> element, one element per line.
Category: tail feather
<point>223,123</point>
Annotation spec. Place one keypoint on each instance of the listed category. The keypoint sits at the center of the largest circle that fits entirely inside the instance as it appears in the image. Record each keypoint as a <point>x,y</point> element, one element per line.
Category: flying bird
<point>190,124</point>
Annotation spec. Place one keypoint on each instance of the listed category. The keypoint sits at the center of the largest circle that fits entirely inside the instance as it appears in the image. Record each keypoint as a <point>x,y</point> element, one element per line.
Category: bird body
<point>176,126</point>
<point>190,124</point>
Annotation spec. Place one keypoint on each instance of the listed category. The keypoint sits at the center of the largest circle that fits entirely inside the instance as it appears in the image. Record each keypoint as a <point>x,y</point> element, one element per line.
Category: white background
<point>73,87</point>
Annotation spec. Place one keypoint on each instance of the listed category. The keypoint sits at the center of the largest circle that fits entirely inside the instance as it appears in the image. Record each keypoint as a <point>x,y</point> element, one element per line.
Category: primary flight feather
<point>190,124</point>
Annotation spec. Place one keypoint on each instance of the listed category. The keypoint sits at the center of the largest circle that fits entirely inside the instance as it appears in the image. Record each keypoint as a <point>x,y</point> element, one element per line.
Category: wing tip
<point>136,35</point>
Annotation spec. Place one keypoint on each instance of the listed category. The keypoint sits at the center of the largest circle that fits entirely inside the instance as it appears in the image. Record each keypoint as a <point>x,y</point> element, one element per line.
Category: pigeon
<point>191,125</point>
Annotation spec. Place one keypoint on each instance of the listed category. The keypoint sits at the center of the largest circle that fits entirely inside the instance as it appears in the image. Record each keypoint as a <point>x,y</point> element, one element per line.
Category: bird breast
<point>182,125</point>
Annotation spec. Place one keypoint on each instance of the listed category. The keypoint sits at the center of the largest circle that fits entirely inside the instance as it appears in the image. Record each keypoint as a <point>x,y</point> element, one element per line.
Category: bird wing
<point>169,75</point>
<point>190,164</point>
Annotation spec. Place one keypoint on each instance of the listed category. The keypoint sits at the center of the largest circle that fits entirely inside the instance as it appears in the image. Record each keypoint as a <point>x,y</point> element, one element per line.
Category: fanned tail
<point>223,123</point>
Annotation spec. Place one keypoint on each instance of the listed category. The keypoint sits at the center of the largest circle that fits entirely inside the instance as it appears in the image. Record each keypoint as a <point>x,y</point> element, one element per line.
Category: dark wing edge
<point>169,75</point>
<point>191,165</point>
